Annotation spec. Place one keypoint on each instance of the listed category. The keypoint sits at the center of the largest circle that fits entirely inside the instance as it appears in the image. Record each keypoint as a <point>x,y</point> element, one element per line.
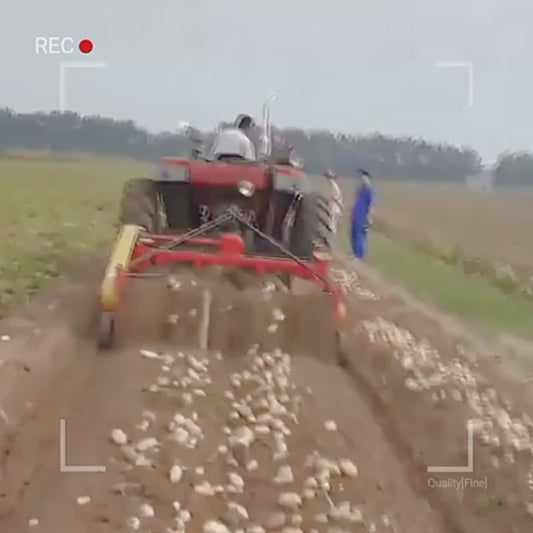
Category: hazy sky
<point>349,65</point>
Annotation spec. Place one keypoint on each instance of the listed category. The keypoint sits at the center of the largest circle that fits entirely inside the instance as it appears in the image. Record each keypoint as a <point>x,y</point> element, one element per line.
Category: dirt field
<point>242,422</point>
<point>208,436</point>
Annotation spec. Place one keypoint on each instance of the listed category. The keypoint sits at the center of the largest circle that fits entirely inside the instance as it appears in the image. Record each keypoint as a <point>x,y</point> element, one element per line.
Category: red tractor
<point>264,216</point>
<point>278,200</point>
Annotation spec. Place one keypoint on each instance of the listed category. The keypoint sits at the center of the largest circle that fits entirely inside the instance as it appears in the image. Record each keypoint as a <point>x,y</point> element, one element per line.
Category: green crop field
<point>55,212</point>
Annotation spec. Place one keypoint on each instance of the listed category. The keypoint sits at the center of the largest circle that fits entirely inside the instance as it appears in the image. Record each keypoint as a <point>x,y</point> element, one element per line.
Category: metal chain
<point>282,249</point>
<point>288,220</point>
<point>224,217</point>
<point>230,214</point>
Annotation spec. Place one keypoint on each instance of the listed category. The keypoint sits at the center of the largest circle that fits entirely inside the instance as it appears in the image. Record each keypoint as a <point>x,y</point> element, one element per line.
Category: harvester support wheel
<point>106,330</point>
<point>312,226</point>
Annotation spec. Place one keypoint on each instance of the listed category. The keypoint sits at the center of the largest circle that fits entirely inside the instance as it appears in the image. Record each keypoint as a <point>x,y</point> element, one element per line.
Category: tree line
<point>402,158</point>
<point>515,168</point>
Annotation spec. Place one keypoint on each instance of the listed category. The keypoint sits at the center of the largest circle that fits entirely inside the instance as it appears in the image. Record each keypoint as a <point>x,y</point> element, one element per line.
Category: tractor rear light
<point>246,188</point>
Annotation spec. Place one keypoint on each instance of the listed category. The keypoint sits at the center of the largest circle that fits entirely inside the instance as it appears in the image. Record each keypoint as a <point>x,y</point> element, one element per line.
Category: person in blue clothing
<point>362,214</point>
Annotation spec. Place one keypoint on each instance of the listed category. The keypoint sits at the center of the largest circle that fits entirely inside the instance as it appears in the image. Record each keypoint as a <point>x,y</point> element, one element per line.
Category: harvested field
<point>428,240</point>
<point>180,406</point>
<point>318,448</point>
<point>494,227</point>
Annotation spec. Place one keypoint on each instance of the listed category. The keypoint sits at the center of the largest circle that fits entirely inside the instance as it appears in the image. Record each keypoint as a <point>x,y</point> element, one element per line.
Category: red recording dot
<point>86,46</point>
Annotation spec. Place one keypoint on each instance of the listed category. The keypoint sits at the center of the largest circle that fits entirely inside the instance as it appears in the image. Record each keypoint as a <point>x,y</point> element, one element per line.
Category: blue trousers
<point>359,241</point>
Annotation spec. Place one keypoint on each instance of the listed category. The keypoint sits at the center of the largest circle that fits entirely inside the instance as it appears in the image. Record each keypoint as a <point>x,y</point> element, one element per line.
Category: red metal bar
<point>230,252</point>
<point>261,265</point>
<point>200,241</point>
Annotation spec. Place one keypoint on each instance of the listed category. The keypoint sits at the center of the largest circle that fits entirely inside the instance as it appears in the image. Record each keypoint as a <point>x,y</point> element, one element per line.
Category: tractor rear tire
<point>140,205</point>
<point>312,226</point>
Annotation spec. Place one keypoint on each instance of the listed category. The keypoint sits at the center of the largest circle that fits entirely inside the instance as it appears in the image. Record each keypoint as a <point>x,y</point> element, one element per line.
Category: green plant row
<point>499,274</point>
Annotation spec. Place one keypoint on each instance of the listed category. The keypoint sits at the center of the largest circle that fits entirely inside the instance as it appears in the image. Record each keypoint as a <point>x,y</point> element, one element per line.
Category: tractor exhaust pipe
<point>265,149</point>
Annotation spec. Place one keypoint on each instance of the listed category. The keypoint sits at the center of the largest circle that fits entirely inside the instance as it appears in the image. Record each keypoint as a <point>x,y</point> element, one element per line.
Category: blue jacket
<point>361,208</point>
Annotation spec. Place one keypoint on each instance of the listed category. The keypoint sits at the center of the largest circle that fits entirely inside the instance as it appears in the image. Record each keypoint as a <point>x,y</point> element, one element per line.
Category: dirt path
<point>95,394</point>
<point>239,413</point>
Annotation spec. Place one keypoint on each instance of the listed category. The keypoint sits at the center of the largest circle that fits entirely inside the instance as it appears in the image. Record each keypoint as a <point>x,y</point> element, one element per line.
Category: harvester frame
<point>135,251</point>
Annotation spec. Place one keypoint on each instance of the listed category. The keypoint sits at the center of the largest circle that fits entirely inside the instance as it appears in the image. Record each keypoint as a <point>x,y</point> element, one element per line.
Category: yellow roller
<point>119,259</point>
